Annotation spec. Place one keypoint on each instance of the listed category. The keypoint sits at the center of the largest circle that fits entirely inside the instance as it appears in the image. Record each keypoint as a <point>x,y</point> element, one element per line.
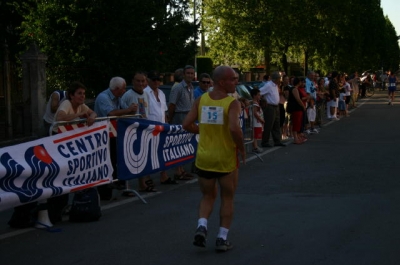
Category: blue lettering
<point>97,136</point>
<point>89,139</point>
<point>60,150</point>
<point>70,168</point>
<point>71,149</point>
<point>81,146</point>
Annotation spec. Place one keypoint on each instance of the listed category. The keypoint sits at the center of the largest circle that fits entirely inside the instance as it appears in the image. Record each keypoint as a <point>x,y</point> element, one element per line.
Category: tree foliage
<point>322,35</point>
<point>93,40</point>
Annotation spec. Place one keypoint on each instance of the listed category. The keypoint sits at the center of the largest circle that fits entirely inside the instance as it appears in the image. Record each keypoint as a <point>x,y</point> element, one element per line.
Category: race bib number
<point>392,84</point>
<point>212,115</point>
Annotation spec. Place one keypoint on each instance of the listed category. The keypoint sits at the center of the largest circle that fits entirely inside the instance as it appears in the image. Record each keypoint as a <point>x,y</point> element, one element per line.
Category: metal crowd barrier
<point>64,126</point>
<point>248,131</point>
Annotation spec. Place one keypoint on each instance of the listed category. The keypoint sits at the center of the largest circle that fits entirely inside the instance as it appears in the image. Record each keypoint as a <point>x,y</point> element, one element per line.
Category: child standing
<point>311,115</point>
<point>258,119</point>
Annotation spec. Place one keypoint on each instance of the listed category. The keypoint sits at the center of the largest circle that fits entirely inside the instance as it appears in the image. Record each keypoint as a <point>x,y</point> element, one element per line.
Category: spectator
<point>216,158</point>
<point>334,96</point>
<point>270,92</point>
<point>257,119</point>
<point>156,110</point>
<point>56,98</point>
<point>296,109</point>
<point>304,98</point>
<point>282,111</point>
<point>204,85</point>
<point>286,87</point>
<point>181,100</point>
<point>73,108</point>
<point>178,77</point>
<point>108,104</point>
<point>312,93</point>
<point>354,83</point>
<point>347,90</point>
<point>321,96</point>
<point>266,78</point>
<point>138,97</point>
<point>342,103</point>
<point>367,82</point>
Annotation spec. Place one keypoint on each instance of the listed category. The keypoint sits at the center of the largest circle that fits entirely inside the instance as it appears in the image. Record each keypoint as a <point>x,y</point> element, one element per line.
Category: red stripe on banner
<point>179,160</point>
<point>89,185</point>
<point>113,128</point>
<point>70,127</point>
<point>79,134</point>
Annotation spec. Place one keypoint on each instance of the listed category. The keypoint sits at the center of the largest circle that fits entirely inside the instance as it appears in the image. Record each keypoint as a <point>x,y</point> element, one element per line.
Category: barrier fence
<point>79,157</point>
<point>248,128</point>
<point>76,157</point>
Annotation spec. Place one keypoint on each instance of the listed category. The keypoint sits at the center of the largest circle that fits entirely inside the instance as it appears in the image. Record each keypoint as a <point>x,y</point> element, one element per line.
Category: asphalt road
<point>333,200</point>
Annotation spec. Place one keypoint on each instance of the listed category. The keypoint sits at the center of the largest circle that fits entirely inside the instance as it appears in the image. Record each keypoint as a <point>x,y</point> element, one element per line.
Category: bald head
<point>220,72</point>
<point>225,78</point>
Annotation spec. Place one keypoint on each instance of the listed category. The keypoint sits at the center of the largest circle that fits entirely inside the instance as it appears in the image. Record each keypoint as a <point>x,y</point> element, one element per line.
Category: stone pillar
<point>7,82</point>
<point>34,90</point>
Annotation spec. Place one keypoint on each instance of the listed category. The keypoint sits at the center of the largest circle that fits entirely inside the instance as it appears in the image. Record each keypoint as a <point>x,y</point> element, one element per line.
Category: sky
<point>391,8</point>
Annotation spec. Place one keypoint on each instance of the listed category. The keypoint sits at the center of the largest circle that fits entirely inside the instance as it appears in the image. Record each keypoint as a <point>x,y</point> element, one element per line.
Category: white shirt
<point>270,93</point>
<point>347,88</point>
<point>157,109</point>
<point>48,115</point>
<point>131,96</point>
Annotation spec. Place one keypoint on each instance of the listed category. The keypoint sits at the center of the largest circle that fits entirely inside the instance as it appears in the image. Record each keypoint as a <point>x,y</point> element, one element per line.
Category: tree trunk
<point>306,55</point>
<point>267,59</point>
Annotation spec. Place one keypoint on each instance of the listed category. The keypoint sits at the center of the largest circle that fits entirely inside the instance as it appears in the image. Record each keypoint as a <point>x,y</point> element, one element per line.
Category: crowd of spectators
<point>300,105</point>
<point>284,107</point>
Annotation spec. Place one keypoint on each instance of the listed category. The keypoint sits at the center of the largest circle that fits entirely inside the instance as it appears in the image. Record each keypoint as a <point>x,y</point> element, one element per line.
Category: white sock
<point>202,222</point>
<point>223,233</point>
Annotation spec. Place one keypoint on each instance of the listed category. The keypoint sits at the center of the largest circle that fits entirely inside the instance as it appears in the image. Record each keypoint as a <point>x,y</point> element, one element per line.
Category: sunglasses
<point>205,82</point>
<point>155,79</point>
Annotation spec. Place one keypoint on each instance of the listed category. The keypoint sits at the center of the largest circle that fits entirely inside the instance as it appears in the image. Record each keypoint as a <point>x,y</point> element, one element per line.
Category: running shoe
<point>314,130</point>
<point>200,237</point>
<point>223,245</point>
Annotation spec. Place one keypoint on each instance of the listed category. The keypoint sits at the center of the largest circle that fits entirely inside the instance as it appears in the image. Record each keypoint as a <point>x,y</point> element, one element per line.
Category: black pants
<point>363,90</point>
<point>271,125</point>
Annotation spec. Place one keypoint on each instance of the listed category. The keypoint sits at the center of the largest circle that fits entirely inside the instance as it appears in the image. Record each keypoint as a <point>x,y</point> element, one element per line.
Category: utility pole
<point>203,41</point>
<point>195,37</point>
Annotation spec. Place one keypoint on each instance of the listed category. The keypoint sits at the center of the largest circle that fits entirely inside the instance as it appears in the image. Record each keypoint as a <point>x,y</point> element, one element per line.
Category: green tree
<point>92,41</point>
<point>321,34</point>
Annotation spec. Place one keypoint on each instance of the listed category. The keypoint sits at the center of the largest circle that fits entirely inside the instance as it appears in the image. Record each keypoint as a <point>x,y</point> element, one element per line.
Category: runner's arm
<point>189,123</point>
<point>235,129</point>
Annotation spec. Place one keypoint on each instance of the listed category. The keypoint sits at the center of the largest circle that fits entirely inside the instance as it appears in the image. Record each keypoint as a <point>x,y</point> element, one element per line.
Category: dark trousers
<point>281,115</point>
<point>105,191</point>
<point>271,125</point>
<point>363,90</point>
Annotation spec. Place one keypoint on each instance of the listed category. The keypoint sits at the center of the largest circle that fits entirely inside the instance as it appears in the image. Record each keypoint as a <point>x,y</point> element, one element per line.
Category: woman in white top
<point>347,90</point>
<point>74,107</point>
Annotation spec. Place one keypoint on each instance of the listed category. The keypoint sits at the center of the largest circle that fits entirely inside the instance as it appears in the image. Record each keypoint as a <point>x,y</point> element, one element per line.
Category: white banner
<point>55,165</point>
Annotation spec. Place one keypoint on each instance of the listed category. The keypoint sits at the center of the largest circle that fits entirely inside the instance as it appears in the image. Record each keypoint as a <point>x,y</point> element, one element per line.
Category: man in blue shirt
<point>204,85</point>
<point>108,104</point>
